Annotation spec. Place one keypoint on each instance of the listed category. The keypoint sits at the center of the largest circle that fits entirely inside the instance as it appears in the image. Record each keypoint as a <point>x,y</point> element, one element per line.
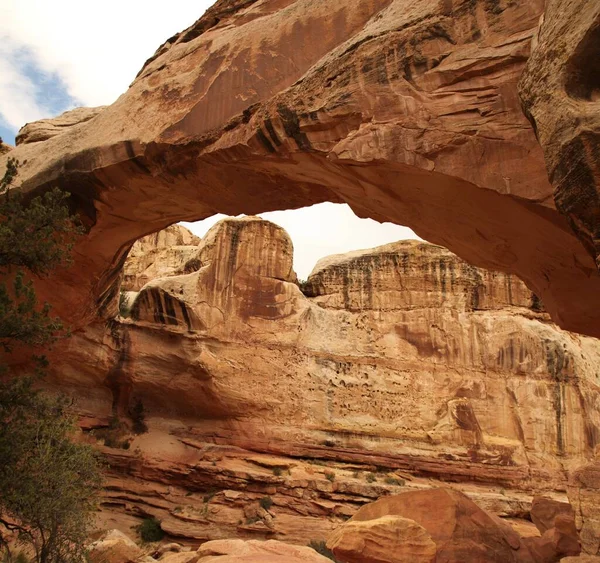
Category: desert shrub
<point>277,471</point>
<point>371,477</point>
<point>150,530</point>
<point>266,502</point>
<point>330,476</point>
<point>394,481</point>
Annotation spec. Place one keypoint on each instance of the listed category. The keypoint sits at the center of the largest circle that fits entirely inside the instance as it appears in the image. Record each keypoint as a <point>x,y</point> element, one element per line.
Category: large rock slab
<point>389,539</point>
<point>460,529</point>
<point>408,111</point>
<point>560,91</point>
<point>252,551</point>
<point>114,547</point>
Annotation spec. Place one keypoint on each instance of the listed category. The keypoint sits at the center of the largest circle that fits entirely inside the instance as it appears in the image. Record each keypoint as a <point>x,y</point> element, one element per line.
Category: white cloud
<point>322,230</point>
<point>96,48</point>
<point>17,93</point>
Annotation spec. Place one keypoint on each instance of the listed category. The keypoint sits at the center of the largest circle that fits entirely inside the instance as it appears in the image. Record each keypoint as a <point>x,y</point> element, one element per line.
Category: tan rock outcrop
<point>584,495</point>
<point>45,129</point>
<point>252,551</point>
<point>459,529</point>
<point>247,383</point>
<point>447,526</point>
<point>560,91</point>
<point>544,512</point>
<point>389,539</point>
<point>167,253</point>
<point>407,111</point>
<point>114,547</point>
<point>557,542</point>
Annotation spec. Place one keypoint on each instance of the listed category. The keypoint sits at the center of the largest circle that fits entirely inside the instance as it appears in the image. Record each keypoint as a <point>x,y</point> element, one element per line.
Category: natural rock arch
<point>408,111</point>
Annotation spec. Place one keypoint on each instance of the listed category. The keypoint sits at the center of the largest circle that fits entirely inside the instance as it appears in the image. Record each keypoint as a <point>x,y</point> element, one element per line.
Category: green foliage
<point>138,417</point>
<point>330,476</point>
<point>37,236</point>
<point>321,547</point>
<point>394,481</point>
<point>48,483</point>
<point>371,477</point>
<point>266,502</point>
<point>150,530</point>
<point>277,471</point>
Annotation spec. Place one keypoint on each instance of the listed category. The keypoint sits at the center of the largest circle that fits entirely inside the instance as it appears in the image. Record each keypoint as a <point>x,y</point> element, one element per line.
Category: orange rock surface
<point>560,91</point>
<point>408,111</point>
<point>395,366</point>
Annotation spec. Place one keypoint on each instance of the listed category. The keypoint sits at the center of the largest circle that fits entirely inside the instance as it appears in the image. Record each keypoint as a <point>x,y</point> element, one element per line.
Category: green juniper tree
<point>48,482</point>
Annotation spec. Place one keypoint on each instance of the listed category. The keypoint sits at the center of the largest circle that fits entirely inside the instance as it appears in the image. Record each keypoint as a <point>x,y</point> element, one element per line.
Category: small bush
<point>277,471</point>
<point>138,417</point>
<point>321,547</point>
<point>266,502</point>
<point>150,530</point>
<point>371,477</point>
<point>330,476</point>
<point>394,481</point>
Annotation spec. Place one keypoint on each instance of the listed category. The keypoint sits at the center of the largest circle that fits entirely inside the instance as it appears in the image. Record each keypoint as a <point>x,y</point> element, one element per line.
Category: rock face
<point>560,90</point>
<point>408,111</point>
<point>47,128</point>
<point>234,551</point>
<point>167,253</point>
<point>544,512</point>
<point>460,530</point>
<point>397,365</point>
<point>448,526</point>
<point>389,539</point>
<point>114,547</point>
<point>584,495</point>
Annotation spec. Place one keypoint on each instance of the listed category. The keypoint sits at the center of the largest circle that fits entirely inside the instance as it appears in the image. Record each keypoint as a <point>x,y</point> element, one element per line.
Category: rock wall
<point>401,362</point>
<point>406,110</point>
<point>166,253</point>
<point>560,91</point>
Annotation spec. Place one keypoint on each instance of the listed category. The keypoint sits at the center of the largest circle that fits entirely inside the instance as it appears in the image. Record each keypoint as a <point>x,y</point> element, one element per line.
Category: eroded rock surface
<point>459,529</point>
<point>408,111</point>
<point>584,495</point>
<point>388,539</point>
<point>560,90</point>
<point>451,528</point>
<point>399,365</point>
<point>47,128</point>
<point>166,253</point>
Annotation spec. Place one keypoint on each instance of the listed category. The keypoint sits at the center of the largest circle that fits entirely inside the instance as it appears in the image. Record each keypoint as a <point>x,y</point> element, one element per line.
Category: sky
<point>60,54</point>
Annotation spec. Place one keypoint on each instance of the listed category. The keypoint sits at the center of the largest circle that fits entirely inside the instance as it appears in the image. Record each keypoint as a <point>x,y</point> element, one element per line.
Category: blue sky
<point>65,53</point>
<point>48,90</point>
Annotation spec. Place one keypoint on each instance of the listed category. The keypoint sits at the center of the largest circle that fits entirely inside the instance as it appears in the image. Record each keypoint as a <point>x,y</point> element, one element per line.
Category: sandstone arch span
<point>406,110</point>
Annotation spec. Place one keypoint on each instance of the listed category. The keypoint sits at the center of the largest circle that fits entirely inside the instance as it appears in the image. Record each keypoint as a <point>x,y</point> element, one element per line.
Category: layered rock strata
<point>166,253</point>
<point>396,366</point>
<point>407,111</point>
